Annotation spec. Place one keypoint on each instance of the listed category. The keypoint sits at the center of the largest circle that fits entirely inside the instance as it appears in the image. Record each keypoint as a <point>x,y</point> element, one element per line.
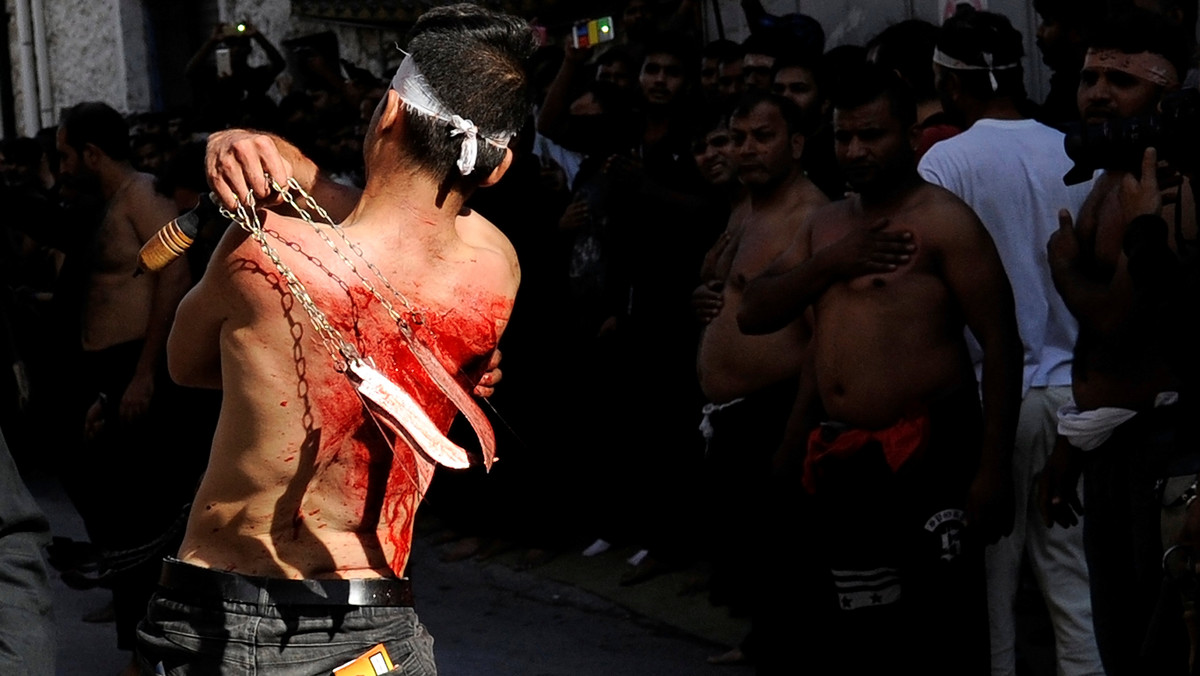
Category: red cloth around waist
<point>900,443</point>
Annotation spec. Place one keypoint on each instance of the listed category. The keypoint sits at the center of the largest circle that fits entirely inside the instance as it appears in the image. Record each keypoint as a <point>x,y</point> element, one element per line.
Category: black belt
<point>187,583</point>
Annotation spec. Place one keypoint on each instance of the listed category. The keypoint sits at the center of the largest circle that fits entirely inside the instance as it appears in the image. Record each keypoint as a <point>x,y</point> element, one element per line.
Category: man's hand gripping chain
<point>385,400</point>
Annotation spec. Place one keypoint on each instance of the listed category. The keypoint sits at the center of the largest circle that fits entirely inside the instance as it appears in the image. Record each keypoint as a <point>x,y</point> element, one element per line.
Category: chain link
<point>345,354</point>
<point>339,348</point>
<point>292,184</point>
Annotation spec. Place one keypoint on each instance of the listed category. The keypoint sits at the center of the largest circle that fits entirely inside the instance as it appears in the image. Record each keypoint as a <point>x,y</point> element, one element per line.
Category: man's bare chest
<point>114,245</point>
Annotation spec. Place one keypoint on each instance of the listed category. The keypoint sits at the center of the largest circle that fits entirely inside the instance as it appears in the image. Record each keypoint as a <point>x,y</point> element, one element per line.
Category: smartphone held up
<point>586,34</point>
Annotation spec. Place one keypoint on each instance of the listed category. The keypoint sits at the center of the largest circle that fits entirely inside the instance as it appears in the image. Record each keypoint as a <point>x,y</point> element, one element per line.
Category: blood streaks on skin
<point>382,490</point>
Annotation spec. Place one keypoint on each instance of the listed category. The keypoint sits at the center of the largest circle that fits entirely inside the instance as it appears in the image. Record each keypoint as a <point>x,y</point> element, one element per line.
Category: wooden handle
<point>169,243</point>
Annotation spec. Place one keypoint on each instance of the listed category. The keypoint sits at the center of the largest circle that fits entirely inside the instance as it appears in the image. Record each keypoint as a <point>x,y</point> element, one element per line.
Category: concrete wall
<point>96,51</point>
<point>86,51</point>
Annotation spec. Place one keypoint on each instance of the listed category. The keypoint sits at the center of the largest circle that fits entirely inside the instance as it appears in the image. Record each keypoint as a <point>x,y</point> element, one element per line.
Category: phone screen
<point>590,33</point>
<point>224,62</point>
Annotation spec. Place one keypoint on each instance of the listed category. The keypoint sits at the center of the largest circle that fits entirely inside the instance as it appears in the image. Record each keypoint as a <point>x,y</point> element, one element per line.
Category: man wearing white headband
<point>1119,429</point>
<point>298,542</point>
<point>1009,169</point>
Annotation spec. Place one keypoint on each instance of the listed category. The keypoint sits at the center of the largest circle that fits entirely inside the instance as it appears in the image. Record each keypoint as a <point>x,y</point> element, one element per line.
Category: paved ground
<point>567,618</point>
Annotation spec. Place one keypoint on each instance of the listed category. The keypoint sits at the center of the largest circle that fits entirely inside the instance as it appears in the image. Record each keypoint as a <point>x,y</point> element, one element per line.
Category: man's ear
<point>91,156</point>
<point>914,136</point>
<point>498,173</point>
<point>391,113</point>
<point>797,145</point>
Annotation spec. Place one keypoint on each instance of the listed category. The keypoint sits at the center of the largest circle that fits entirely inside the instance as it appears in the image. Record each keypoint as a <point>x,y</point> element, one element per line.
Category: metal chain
<point>339,348</point>
<point>342,352</point>
<point>292,184</point>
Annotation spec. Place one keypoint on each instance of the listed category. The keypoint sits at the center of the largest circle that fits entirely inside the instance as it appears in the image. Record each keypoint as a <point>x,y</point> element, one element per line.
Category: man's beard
<point>80,184</point>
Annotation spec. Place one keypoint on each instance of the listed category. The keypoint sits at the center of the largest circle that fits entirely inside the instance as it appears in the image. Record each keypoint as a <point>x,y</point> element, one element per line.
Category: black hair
<point>733,54</point>
<point>98,124</point>
<point>1079,13</point>
<point>184,170</point>
<point>1136,31</point>
<point>1188,11</point>
<point>616,55</point>
<point>974,37</point>
<point>473,61</point>
<point>23,152</point>
<point>797,59</point>
<point>679,45</point>
<point>798,32</point>
<point>610,97</point>
<point>707,120</point>
<point>770,44</point>
<point>907,48</point>
<point>721,50</point>
<point>865,83</point>
<point>787,108</point>
<point>839,61</point>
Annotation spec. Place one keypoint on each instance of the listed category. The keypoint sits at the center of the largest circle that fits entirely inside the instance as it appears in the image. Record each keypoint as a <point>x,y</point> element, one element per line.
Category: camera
<point>1119,144</point>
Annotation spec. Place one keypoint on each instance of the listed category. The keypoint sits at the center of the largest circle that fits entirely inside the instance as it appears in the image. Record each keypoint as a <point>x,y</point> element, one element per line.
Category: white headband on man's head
<point>419,98</point>
<point>942,59</point>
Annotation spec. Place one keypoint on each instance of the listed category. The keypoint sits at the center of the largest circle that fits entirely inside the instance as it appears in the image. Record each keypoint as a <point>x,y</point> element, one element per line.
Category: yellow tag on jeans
<point>374,662</point>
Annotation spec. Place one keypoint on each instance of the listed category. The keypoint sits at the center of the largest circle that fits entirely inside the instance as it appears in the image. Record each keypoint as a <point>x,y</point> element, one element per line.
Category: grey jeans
<point>244,638</point>
<point>26,623</point>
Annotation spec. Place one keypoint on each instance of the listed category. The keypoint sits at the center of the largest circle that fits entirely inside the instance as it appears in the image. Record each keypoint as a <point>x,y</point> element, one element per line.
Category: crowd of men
<point>849,324</point>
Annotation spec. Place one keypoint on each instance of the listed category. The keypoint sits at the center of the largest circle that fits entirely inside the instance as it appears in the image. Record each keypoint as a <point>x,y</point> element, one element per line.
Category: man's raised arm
<point>798,277</point>
<point>238,162</point>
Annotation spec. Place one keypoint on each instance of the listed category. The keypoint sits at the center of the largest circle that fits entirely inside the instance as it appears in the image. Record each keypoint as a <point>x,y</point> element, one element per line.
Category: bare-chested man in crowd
<point>301,529</point>
<point>1112,271</point>
<point>750,380</point>
<point>125,323</point>
<point>908,479</point>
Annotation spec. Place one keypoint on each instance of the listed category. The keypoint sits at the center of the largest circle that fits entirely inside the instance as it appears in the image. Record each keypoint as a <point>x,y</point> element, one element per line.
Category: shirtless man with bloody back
<point>908,479</point>
<point>300,532</point>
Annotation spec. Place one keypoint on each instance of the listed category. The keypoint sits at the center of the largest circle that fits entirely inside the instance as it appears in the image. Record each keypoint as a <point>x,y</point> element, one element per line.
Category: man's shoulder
<point>142,205</point>
<point>988,133</point>
<point>142,192</point>
<point>830,212</point>
<point>938,206</point>
<point>803,200</point>
<point>485,238</point>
